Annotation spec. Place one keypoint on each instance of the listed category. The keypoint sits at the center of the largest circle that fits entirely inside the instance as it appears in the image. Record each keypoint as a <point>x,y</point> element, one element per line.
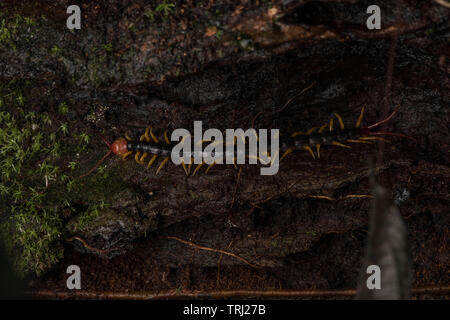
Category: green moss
<point>13,25</point>
<point>165,8</point>
<point>28,165</point>
<point>33,182</point>
<point>162,10</point>
<point>55,51</point>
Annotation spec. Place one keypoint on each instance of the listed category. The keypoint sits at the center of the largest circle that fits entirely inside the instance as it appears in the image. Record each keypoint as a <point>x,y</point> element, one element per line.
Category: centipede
<point>148,147</point>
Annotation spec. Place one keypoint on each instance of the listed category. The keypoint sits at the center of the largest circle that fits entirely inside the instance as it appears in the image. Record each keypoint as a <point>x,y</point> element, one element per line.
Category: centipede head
<point>119,147</point>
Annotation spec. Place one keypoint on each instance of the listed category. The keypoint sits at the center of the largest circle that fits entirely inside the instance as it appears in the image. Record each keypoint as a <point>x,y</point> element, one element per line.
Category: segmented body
<point>297,143</point>
<point>150,148</point>
<point>323,138</point>
<point>149,144</point>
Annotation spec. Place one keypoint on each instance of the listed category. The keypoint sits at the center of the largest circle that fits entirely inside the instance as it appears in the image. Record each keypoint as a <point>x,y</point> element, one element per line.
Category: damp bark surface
<point>237,65</point>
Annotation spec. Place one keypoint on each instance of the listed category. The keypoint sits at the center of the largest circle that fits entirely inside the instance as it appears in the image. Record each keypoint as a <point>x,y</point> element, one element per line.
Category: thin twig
<point>349,196</point>
<point>297,95</point>
<point>86,245</point>
<point>189,243</point>
<point>219,262</point>
<point>215,294</point>
<point>285,105</point>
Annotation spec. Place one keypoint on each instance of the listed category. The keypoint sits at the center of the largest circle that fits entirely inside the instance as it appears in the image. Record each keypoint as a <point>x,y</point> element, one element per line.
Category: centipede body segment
<point>148,148</point>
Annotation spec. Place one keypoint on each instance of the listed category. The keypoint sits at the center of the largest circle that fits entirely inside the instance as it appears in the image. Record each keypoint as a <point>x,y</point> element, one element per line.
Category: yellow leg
<point>126,155</point>
<point>142,138</point>
<point>200,142</point>
<point>357,196</point>
<point>141,160</point>
<point>322,197</point>
<point>255,157</point>
<point>349,196</point>
<point>166,138</point>
<point>373,138</point>
<point>198,167</point>
<point>268,158</point>
<point>318,150</point>
<point>162,164</point>
<point>335,143</point>
<point>358,141</point>
<point>273,158</point>
<point>286,153</point>
<point>322,128</point>
<point>256,136</point>
<point>309,131</point>
<point>136,156</point>
<point>128,137</point>
<point>310,151</point>
<point>358,122</point>
<point>151,161</point>
<point>234,162</point>
<point>217,142</point>
<point>297,133</point>
<point>184,167</point>
<point>182,139</point>
<point>147,137</point>
<point>331,124</point>
<point>341,123</point>
<point>227,143</point>
<point>210,166</point>
<point>190,165</point>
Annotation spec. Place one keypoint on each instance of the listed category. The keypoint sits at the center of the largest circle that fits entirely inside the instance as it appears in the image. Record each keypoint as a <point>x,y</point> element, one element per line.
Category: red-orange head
<point>119,147</point>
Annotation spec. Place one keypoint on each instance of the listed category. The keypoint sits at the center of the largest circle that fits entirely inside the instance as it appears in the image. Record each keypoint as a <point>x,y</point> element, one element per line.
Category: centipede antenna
<point>385,120</point>
<point>392,134</point>
<point>105,141</point>
<point>97,165</point>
